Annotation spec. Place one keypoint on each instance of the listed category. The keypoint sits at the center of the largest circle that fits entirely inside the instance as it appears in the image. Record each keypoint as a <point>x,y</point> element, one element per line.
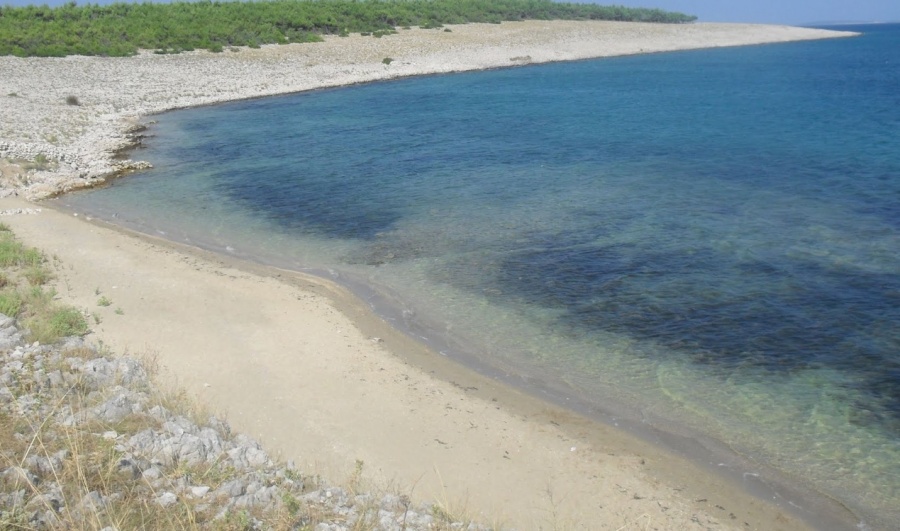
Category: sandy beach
<point>301,364</point>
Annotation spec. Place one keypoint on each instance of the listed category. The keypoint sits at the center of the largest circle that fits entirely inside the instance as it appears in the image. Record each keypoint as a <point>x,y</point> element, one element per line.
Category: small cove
<point>710,237</point>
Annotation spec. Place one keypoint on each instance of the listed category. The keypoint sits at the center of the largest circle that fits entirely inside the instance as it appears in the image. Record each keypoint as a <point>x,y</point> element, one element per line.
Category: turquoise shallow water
<point>708,238</point>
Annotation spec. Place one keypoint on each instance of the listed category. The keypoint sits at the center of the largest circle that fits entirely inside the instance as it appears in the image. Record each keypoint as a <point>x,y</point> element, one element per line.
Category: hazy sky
<point>778,11</point>
<point>771,11</point>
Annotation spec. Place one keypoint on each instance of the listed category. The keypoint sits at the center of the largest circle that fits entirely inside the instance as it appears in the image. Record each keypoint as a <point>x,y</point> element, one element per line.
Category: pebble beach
<point>78,113</point>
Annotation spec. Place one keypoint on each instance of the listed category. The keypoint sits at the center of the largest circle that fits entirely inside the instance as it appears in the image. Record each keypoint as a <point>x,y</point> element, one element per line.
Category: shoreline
<point>421,423</point>
<point>114,96</point>
<point>82,166</point>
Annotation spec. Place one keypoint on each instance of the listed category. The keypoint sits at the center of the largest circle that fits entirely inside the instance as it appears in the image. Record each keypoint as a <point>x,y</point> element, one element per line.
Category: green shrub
<point>121,29</point>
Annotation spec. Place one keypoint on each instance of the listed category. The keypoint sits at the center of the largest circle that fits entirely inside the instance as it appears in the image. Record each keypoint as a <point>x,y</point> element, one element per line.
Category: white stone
<point>167,499</point>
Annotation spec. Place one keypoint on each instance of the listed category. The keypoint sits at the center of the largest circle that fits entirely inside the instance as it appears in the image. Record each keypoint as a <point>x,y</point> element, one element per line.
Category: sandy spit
<point>300,363</point>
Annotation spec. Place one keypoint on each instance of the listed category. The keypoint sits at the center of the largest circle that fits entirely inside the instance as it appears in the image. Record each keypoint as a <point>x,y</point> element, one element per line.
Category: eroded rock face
<point>65,404</point>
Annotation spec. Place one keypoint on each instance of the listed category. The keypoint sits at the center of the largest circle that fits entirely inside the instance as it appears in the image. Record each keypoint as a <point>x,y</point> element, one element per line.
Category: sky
<point>762,11</point>
<point>778,11</point>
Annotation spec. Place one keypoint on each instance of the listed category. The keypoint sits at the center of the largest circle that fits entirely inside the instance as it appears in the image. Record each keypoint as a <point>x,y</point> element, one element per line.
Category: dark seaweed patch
<point>780,317</point>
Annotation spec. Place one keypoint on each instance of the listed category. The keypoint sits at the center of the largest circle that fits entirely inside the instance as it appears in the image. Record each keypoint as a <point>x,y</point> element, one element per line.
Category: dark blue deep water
<point>712,235</point>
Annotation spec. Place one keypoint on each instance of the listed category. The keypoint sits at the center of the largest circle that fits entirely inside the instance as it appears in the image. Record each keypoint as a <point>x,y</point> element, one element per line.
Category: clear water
<point>711,237</point>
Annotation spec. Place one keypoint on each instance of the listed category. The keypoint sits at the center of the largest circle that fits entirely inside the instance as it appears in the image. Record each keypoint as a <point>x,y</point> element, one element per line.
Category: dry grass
<point>87,467</point>
<point>39,451</point>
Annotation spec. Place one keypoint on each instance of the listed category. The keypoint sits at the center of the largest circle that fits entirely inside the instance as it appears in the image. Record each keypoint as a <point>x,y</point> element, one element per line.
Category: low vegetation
<point>23,294</point>
<point>122,29</point>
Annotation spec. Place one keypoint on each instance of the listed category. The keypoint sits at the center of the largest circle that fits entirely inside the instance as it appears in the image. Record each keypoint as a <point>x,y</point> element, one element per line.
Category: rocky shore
<point>64,122</point>
<point>89,438</point>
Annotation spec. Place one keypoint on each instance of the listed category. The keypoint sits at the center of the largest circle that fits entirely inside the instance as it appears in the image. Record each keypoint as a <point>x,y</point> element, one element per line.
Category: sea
<point>703,240</point>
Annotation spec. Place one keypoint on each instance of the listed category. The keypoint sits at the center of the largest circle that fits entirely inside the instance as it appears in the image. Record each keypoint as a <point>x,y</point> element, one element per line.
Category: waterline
<point>710,261</point>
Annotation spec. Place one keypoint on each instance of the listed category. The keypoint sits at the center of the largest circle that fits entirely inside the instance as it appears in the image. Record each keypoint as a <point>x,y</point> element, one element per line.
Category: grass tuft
<point>22,294</point>
<point>55,324</point>
<point>14,254</point>
<point>37,275</point>
<point>10,303</point>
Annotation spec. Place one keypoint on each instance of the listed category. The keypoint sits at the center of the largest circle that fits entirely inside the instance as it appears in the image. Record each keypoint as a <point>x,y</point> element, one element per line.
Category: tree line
<point>122,29</point>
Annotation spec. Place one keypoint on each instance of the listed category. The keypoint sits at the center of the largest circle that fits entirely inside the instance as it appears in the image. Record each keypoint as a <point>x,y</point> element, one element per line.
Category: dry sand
<point>299,362</point>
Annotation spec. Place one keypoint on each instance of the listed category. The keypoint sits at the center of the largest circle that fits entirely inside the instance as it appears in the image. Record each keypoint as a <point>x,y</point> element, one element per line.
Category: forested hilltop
<point>122,29</point>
